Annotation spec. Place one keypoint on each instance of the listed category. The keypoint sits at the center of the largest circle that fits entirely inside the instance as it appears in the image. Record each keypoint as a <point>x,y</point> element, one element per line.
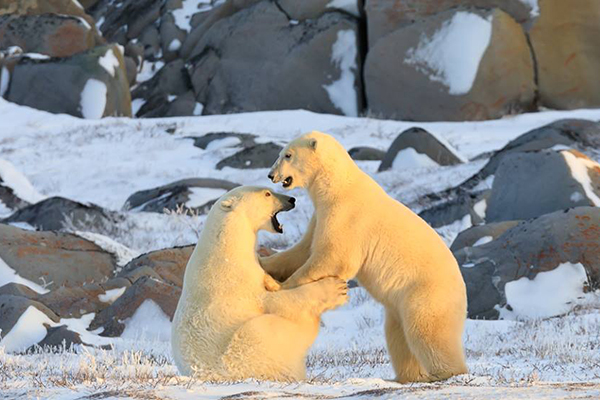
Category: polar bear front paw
<point>271,284</point>
<point>333,292</point>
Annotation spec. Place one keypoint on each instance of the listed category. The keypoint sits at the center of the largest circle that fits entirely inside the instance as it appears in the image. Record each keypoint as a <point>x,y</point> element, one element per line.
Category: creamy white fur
<point>227,326</point>
<point>358,230</point>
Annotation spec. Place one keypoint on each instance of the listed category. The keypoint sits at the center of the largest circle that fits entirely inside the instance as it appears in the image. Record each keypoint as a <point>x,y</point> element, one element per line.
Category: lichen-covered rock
<point>168,264</point>
<point>481,234</point>
<point>261,155</point>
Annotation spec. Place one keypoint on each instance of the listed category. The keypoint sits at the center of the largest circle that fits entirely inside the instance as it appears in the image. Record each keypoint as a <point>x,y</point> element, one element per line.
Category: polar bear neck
<point>334,178</point>
<point>232,235</point>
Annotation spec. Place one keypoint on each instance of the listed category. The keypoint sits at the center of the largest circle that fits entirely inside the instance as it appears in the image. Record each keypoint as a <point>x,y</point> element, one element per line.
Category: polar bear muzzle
<point>287,204</point>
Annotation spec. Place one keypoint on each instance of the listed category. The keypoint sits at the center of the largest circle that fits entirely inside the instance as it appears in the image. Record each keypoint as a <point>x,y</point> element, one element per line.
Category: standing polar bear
<point>358,230</point>
<point>227,326</point>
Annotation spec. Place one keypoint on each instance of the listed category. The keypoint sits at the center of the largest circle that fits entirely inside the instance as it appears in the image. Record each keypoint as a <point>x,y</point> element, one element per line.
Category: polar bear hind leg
<point>406,365</point>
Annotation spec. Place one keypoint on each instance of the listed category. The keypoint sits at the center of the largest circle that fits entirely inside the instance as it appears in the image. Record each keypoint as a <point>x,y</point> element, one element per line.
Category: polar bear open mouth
<point>287,182</point>
<point>276,224</point>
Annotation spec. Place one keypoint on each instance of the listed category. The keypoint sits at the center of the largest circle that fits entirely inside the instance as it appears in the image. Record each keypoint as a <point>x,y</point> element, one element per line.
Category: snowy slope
<point>105,161</point>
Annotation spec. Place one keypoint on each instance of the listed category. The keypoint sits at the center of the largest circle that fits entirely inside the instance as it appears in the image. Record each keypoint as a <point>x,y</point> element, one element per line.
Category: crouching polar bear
<point>227,326</point>
<point>358,230</point>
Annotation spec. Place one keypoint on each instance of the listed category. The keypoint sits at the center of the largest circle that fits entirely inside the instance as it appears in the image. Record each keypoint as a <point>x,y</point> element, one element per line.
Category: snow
<point>22,188</point>
<point>110,296</point>
<point>4,81</point>
<point>28,330</point>
<point>122,253</point>
<point>535,8</point>
<point>9,275</point>
<point>137,326</point>
<point>109,62</point>
<point>77,4</point>
<point>230,141</point>
<point>580,171</point>
<point>100,22</point>
<point>148,70</point>
<point>175,45</point>
<point>136,105</point>
<point>480,208</point>
<point>409,158</point>
<point>350,6</point>
<point>93,99</point>
<point>549,294</point>
<point>36,56</point>
<point>343,55</point>
<point>452,55</point>
<point>183,16</point>
<point>200,196</point>
<point>198,108</point>
<point>483,240</point>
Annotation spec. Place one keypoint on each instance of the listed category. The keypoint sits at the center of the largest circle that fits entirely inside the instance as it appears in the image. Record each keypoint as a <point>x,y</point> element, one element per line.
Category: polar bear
<point>227,326</point>
<point>358,230</point>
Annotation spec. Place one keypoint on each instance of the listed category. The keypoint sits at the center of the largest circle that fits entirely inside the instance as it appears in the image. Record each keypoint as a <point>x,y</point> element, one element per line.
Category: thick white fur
<point>358,230</point>
<point>227,326</point>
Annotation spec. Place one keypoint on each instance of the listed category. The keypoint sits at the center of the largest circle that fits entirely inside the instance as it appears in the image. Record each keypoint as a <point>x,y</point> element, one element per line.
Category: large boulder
<point>417,147</point>
<point>481,234</point>
<point>462,64</point>
<point>40,7</point>
<point>196,195</point>
<point>538,268</point>
<point>312,64</point>
<point>386,16</point>
<point>112,318</point>
<point>12,309</point>
<point>466,207</point>
<point>92,84</point>
<point>231,139</point>
<point>567,50</point>
<point>168,264</point>
<point>57,213</point>
<point>125,19</point>
<point>527,185</point>
<point>49,34</point>
<point>262,155</point>
<point>53,259</point>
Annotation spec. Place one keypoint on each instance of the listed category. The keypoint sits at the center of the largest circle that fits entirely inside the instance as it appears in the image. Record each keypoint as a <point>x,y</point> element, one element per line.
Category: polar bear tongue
<point>276,225</point>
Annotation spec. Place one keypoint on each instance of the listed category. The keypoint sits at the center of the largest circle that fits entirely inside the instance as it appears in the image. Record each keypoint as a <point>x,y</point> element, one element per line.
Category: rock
<point>565,42</point>
<point>576,133</point>
<point>386,16</point>
<point>15,189</point>
<point>195,194</point>
<point>481,234</point>
<point>145,288</point>
<point>131,70</point>
<point>453,209</point>
<point>245,139</point>
<point>311,9</point>
<point>130,16</point>
<point>40,7</point>
<point>17,289</point>
<point>423,143</point>
<point>262,155</point>
<point>9,199</point>
<point>527,250</point>
<point>90,85</point>
<point>49,34</point>
<point>169,264</point>
<point>313,65</point>
<point>171,37</point>
<point>527,185</point>
<point>54,259</point>
<point>150,40</point>
<point>58,213</point>
<point>59,338</point>
<point>13,307</point>
<point>409,76</point>
<point>364,153</point>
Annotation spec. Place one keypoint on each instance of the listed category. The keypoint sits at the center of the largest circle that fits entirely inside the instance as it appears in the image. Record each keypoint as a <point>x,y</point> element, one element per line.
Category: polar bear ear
<point>228,204</point>
<point>313,144</point>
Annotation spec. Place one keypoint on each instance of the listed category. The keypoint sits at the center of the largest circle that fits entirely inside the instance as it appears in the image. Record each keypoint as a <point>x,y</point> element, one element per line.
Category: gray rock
<point>310,9</point>
<point>295,66</point>
<point>527,185</point>
<point>167,264</point>
<point>49,34</point>
<point>17,289</point>
<point>453,209</point>
<point>422,142</point>
<point>134,15</point>
<point>532,247</point>
<point>56,259</point>
<point>400,84</point>
<point>166,296</point>
<point>365,153</point>
<point>57,339</point>
<point>170,35</point>
<point>56,85</point>
<point>176,194</point>
<point>56,213</point>
<point>246,139</point>
<point>150,39</point>
<point>259,156</point>
<point>131,69</point>
<point>40,7</point>
<point>469,237</point>
<point>13,307</point>
<point>9,199</point>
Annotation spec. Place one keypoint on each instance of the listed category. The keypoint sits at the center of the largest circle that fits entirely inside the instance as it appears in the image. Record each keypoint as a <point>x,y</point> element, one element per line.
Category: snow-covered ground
<point>105,161</point>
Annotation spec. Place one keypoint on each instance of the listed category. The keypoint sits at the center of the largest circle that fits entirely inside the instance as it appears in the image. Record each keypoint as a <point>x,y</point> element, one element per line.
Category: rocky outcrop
<point>261,155</point>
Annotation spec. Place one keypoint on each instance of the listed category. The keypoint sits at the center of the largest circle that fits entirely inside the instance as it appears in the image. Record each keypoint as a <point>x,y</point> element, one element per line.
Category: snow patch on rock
<point>122,253</point>
<point>580,171</point>
<point>93,99</point>
<point>350,6</point>
<point>343,55</point>
<point>4,81</point>
<point>109,62</point>
<point>28,330</point>
<point>20,185</point>
<point>409,158</point>
<point>110,296</point>
<point>138,327</point>
<point>9,275</point>
<point>199,196</point>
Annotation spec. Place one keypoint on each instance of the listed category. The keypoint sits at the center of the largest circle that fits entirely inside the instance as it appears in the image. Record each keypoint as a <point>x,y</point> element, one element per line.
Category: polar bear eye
<point>288,155</point>
<point>268,194</point>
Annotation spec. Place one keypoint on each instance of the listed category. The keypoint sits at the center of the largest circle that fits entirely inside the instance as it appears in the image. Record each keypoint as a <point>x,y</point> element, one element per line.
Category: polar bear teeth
<point>288,181</point>
<point>276,225</point>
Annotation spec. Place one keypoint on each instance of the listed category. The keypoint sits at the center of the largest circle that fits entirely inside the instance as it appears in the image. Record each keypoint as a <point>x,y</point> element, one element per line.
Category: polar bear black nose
<point>292,200</point>
<point>270,176</point>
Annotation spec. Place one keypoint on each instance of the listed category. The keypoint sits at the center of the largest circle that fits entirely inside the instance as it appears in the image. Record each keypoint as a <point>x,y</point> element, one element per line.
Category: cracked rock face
<point>54,259</point>
<point>526,250</point>
<point>258,59</point>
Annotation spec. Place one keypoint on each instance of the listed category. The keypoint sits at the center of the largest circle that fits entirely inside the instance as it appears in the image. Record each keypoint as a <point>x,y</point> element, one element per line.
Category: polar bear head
<point>259,205</point>
<point>307,157</point>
